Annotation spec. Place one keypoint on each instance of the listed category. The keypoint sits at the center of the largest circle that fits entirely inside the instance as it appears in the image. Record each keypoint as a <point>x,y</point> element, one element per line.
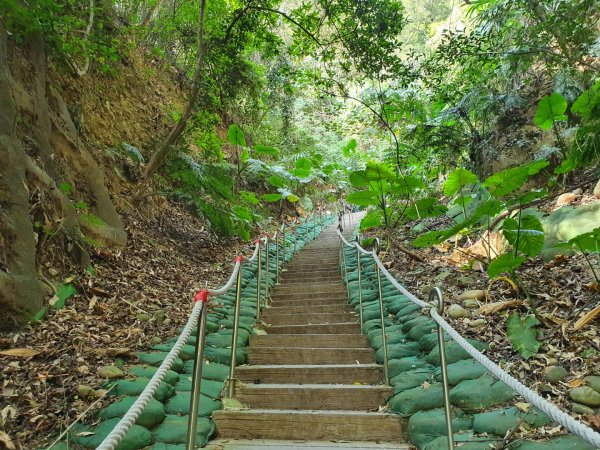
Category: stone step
<point>305,302</point>
<point>301,294</point>
<point>307,355</point>
<point>313,286</point>
<point>312,308</point>
<point>274,318</point>
<point>311,373</point>
<point>309,277</point>
<point>347,397</point>
<point>309,425</point>
<point>333,328</point>
<point>310,340</point>
<point>271,444</point>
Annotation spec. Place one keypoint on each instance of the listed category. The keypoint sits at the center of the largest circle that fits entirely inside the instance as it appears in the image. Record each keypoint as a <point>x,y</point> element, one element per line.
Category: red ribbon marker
<point>257,241</point>
<point>201,296</point>
<point>239,259</point>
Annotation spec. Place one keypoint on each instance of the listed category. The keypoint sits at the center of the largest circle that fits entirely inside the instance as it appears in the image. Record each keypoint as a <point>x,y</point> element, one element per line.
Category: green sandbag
<point>149,371</point>
<point>174,429</point>
<point>136,438</point>
<point>397,351</point>
<point>210,388</point>
<point>417,399</point>
<point>135,387</point>
<point>246,323</point>
<point>481,393</point>
<point>180,404</point>
<point>454,352</point>
<point>223,355</point>
<point>187,351</point>
<point>402,319</point>
<point>421,329</point>
<point>392,338</point>
<point>375,324</point>
<point>569,442</point>
<point>397,366</point>
<point>408,309</point>
<point>408,325</point>
<point>392,329</point>
<point>464,441</point>
<point>156,359</point>
<point>396,303</point>
<point>210,371</point>
<point>502,420</point>
<point>466,369</point>
<point>153,413</point>
<point>425,426</point>
<point>411,379</point>
<point>373,313</point>
<point>429,341</point>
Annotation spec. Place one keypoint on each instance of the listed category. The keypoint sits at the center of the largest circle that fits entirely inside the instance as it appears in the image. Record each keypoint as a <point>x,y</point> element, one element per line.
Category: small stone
<point>442,276</point>
<point>85,391</point>
<point>577,191</point>
<point>565,199</point>
<point>155,340</point>
<point>582,409</point>
<point>477,294</point>
<point>465,281</point>
<point>477,323</point>
<point>593,381</point>
<point>585,395</point>
<point>470,303</point>
<point>110,372</point>
<point>83,370</point>
<point>554,374</point>
<point>143,317</point>
<point>551,361</point>
<point>426,288</point>
<point>597,190</point>
<point>159,315</point>
<point>456,311</point>
<point>53,272</point>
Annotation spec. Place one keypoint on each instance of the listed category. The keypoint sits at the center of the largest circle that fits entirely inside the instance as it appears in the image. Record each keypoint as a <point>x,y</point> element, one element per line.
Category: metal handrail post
<point>359,265</point>
<point>277,256</point>
<point>306,224</point>
<point>435,298</point>
<point>295,238</point>
<point>258,275</point>
<point>386,375</point>
<point>197,375</point>
<point>314,226</point>
<point>284,242</point>
<point>234,339</point>
<point>267,248</point>
<point>345,270</point>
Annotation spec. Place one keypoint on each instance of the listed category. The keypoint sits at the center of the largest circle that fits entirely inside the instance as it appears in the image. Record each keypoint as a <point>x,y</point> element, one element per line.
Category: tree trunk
<point>159,156</point>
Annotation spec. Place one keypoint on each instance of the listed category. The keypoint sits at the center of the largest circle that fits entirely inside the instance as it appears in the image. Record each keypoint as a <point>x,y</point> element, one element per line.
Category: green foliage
<point>507,262</point>
<point>349,148</point>
<point>235,136</point>
<point>63,293</point>
<point>526,234</point>
<point>371,220</point>
<point>457,180</point>
<point>550,109</point>
<point>509,180</point>
<point>522,334</point>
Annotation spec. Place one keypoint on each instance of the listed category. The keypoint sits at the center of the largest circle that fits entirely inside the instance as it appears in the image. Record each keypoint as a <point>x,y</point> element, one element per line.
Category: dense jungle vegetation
<point>457,126</point>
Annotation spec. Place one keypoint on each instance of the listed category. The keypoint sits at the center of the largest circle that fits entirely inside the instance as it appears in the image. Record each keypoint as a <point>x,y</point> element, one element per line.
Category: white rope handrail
<point>576,427</point>
<point>111,441</point>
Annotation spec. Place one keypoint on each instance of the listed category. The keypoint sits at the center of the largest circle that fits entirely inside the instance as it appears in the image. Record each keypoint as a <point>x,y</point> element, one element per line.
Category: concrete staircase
<point>312,377</point>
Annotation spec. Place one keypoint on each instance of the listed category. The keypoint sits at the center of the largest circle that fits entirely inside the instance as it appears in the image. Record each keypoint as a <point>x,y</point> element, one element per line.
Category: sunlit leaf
<point>349,148</point>
<point>371,220</point>
<point>266,150</point>
<point>505,263</point>
<point>362,198</point>
<point>271,197</point>
<point>527,235</point>
<point>550,109</point>
<point>235,136</point>
<point>522,334</point>
<point>457,180</point>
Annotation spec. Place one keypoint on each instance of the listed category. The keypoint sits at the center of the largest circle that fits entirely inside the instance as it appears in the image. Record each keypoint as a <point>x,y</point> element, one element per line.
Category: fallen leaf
<point>495,307</point>
<point>426,385</point>
<point>594,421</point>
<point>587,318</point>
<point>522,406</point>
<point>575,383</point>
<point>85,433</point>
<point>20,352</point>
<point>6,441</point>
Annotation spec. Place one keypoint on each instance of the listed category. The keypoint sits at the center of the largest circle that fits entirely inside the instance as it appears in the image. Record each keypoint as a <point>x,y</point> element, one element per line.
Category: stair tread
<point>308,366</point>
<point>317,386</point>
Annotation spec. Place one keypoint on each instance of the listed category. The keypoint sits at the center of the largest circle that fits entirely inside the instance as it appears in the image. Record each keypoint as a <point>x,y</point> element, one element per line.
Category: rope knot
<point>239,259</point>
<point>201,296</point>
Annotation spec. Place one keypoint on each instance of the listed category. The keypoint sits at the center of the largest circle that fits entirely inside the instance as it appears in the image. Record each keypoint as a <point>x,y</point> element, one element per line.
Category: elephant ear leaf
<point>349,148</point>
<point>550,109</point>
<point>527,235</point>
<point>457,180</point>
<point>235,136</point>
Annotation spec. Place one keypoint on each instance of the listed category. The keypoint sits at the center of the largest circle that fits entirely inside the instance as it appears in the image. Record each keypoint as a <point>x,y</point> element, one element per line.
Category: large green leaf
<point>288,195</point>
<point>587,102</point>
<point>243,213</point>
<point>376,171</point>
<point>235,136</point>
<point>431,238</point>
<point>302,168</point>
<point>277,181</point>
<point>249,197</point>
<point>522,334</point>
<point>349,148</point>
<point>425,207</point>
<point>504,263</point>
<point>587,242</point>
<point>550,109</point>
<point>266,150</point>
<point>457,180</point>
<point>371,220</point>
<point>509,180</point>
<point>406,185</point>
<point>526,236</point>
<point>362,198</point>
<point>271,197</point>
<point>359,179</point>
